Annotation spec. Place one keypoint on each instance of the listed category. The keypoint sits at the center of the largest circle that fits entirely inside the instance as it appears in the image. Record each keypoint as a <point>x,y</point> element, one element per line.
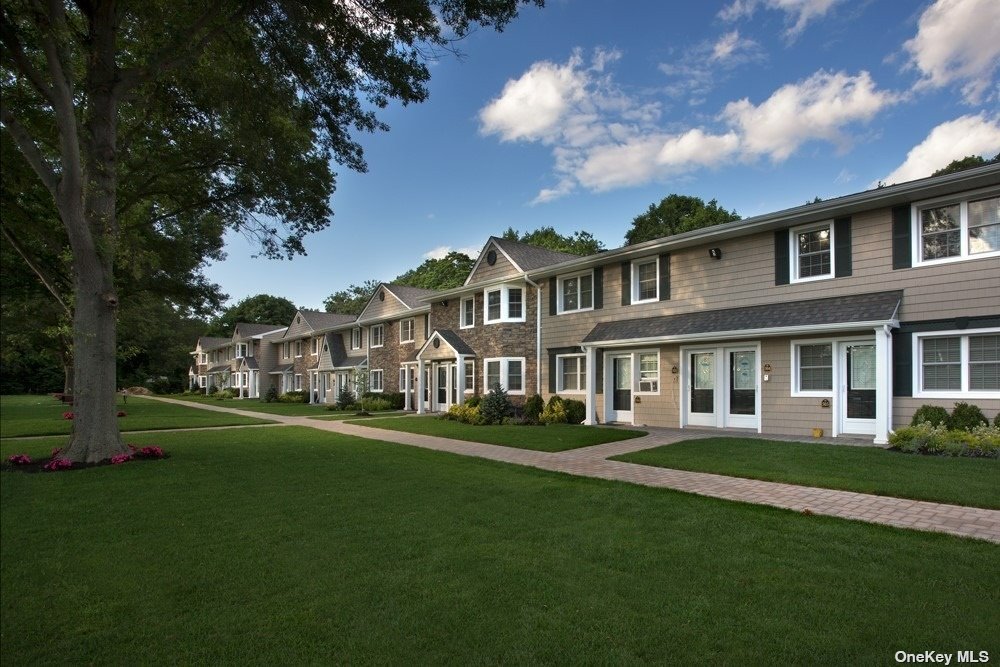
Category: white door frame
<point>844,424</point>
<point>449,370</point>
<point>720,417</point>
<point>610,414</point>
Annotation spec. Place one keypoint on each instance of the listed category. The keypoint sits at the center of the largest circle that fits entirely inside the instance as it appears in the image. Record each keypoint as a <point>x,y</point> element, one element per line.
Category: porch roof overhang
<point>221,368</point>
<point>347,364</point>
<point>449,338</point>
<point>249,363</point>
<point>810,317</point>
<point>281,370</point>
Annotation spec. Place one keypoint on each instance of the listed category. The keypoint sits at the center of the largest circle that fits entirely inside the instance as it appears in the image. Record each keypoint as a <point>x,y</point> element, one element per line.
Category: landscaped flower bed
<point>926,438</point>
<point>56,462</point>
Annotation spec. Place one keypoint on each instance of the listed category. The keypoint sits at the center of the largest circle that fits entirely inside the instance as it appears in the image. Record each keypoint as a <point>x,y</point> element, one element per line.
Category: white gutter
<point>743,333</point>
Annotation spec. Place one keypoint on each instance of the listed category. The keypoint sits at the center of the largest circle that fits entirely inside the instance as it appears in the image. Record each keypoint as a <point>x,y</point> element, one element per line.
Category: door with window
<point>445,381</point>
<point>722,386</point>
<point>857,388</point>
<point>621,388</point>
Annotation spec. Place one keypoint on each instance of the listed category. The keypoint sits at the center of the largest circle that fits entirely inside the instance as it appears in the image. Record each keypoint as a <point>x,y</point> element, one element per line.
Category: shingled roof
<point>248,329</point>
<point>411,296</point>
<point>857,308</point>
<point>529,257</point>
<point>212,342</point>
<point>319,320</point>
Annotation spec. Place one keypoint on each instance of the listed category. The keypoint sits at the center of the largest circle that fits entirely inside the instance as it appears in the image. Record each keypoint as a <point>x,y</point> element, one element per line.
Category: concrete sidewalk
<point>592,462</point>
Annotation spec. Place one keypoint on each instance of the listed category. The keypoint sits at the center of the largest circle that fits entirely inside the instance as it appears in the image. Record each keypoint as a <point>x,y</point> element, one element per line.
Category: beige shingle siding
<point>502,269</point>
<point>378,309</point>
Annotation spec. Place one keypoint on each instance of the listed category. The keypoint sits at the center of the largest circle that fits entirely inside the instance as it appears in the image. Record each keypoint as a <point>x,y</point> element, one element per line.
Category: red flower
<point>121,413</point>
<point>58,464</point>
<point>19,459</point>
<point>120,458</point>
<point>67,415</point>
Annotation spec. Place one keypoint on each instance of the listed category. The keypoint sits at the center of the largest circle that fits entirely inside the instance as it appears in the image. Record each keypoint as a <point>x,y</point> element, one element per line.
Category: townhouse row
<point>843,315</point>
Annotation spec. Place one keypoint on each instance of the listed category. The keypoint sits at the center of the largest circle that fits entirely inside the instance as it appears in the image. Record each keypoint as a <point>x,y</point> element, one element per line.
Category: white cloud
<point>958,41</point>
<point>817,108</point>
<point>441,251</point>
<point>701,67</point>
<point>532,106</point>
<point>798,13</point>
<point>953,140</point>
<point>604,138</point>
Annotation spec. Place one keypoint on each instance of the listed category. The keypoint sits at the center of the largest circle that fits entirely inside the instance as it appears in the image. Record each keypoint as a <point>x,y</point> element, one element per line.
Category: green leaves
<point>676,214</point>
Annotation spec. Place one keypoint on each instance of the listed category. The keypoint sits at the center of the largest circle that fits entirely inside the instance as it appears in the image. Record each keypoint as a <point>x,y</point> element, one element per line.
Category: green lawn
<point>42,415</point>
<point>289,546</point>
<point>335,415</point>
<point>552,438</point>
<point>883,472</point>
<point>256,405</point>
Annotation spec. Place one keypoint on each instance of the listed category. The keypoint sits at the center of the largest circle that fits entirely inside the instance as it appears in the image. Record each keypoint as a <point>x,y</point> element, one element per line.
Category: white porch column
<point>591,386</point>
<point>460,376</point>
<point>420,387</point>
<point>407,388</point>
<point>883,385</point>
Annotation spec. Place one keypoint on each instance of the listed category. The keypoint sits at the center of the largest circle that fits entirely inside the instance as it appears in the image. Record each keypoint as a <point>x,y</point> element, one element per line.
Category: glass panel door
<point>623,383</point>
<point>442,386</point>
<point>703,382</point>
<point>743,383</point>
<point>860,369</point>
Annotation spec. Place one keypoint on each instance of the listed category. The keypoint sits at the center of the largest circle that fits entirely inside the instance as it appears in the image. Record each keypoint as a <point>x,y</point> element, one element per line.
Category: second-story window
<point>468,312</point>
<point>298,348</point>
<point>504,304</point>
<point>406,331</point>
<point>315,346</point>
<point>958,229</point>
<point>576,293</point>
<point>812,252</point>
<point>356,339</point>
<point>645,280</point>
<point>376,336</point>
<point>241,350</point>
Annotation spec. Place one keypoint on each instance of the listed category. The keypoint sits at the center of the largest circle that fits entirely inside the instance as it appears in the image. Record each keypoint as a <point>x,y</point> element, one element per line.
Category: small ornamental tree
<point>496,405</point>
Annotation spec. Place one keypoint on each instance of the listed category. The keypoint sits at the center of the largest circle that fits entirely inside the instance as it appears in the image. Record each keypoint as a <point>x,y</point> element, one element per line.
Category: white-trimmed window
<point>955,229</point>
<point>402,378</point>
<point>811,253</point>
<point>298,348</point>
<point>507,371</point>
<point>957,364</point>
<point>470,377</point>
<point>376,336</point>
<point>571,373</point>
<point>503,304</point>
<point>314,346</point>
<point>298,382</point>
<point>646,280</point>
<point>813,371</point>
<point>576,292</point>
<point>203,358</point>
<point>241,350</point>
<point>468,313</point>
<point>356,338</point>
<point>201,381</point>
<point>406,331</point>
<point>649,373</point>
<point>375,380</point>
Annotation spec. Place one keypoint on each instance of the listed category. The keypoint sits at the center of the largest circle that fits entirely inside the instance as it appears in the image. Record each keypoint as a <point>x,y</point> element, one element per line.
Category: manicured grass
<point>290,546</point>
<point>256,405</point>
<point>42,415</point>
<point>552,438</point>
<point>334,416</point>
<point>960,481</point>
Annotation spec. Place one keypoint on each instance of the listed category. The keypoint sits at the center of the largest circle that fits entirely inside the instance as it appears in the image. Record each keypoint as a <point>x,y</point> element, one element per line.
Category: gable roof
<point>320,320</point>
<point>855,310</point>
<point>451,339</point>
<point>410,296</point>
<point>523,256</point>
<point>207,343</point>
<point>251,329</point>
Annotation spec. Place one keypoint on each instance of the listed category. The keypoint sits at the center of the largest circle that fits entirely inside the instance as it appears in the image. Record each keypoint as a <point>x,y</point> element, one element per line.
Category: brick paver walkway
<point>592,462</point>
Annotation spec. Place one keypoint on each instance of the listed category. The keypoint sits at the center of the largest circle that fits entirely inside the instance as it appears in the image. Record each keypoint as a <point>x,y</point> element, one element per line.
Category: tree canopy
<point>577,243</point>
<point>968,162</point>
<point>442,273</point>
<point>259,309</point>
<point>147,120</point>
<point>676,214</point>
<point>351,301</point>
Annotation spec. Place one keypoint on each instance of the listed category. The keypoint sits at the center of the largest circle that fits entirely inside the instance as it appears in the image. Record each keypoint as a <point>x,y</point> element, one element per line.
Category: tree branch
<point>23,64</point>
<point>42,276</point>
<point>31,153</point>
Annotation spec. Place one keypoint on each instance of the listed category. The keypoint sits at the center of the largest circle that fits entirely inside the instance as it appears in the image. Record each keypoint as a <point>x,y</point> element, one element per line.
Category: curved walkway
<point>592,462</point>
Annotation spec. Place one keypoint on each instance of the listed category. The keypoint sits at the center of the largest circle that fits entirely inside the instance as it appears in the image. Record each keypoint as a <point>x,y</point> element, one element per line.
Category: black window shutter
<point>598,288</point>
<point>901,243</point>
<point>553,286</point>
<point>626,283</point>
<point>842,247</point>
<point>781,257</point>
<point>902,364</point>
<point>665,277</point>
<point>552,373</point>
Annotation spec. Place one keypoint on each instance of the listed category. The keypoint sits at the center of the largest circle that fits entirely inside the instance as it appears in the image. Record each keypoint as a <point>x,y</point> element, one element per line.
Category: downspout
<point>538,333</point>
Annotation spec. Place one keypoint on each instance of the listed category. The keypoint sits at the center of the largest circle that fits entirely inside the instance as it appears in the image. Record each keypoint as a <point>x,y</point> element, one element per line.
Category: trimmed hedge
<point>981,441</point>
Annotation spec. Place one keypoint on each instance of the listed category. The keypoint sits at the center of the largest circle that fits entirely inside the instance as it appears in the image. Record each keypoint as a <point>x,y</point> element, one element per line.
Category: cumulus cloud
<point>953,140</point>
<point>957,41</point>
<point>603,138</point>
<point>798,13</point>
<point>817,108</point>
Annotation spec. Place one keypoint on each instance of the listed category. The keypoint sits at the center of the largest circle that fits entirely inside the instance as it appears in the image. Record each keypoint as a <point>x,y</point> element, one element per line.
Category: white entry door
<point>619,390</point>
<point>722,387</point>
<point>856,393</point>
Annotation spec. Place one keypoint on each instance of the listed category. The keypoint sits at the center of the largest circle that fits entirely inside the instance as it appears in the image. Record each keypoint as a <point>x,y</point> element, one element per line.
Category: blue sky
<point>582,114</point>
